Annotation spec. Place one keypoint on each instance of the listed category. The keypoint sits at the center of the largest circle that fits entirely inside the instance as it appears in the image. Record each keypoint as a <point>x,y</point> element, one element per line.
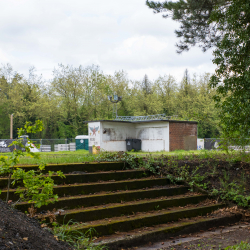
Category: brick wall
<point>182,135</point>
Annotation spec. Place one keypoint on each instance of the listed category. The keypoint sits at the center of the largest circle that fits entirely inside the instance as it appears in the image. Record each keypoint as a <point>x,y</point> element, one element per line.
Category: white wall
<point>154,136</point>
<point>116,134</point>
<point>112,135</point>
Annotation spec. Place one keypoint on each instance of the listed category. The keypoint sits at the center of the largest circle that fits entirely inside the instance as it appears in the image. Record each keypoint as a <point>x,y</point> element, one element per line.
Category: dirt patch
<point>18,231</point>
<point>216,240</point>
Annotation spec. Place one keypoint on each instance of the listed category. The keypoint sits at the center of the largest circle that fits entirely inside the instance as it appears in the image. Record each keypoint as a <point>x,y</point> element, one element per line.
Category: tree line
<point>78,94</point>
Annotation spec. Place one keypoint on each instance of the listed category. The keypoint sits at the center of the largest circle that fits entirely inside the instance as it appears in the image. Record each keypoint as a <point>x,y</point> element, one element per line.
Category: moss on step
<point>95,200</point>
<point>91,177</point>
<point>127,209</point>
<point>165,232</point>
<point>98,187</point>
<point>145,221</point>
<point>89,167</point>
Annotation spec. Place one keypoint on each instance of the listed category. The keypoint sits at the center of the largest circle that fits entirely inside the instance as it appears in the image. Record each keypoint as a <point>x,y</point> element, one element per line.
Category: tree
<point>232,76</point>
<point>196,28</point>
<point>224,25</point>
<point>146,85</point>
<point>166,89</point>
<point>78,94</point>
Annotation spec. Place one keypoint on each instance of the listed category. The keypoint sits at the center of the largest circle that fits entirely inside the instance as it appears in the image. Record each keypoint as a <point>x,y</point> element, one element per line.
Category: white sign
<point>200,144</point>
<point>94,134</point>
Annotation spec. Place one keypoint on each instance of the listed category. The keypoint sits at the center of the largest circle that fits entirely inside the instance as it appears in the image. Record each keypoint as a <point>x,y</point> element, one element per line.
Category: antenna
<point>115,101</point>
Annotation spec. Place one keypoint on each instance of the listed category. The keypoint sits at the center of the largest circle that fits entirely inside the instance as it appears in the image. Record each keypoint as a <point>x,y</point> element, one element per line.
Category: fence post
<point>66,147</point>
<point>41,145</point>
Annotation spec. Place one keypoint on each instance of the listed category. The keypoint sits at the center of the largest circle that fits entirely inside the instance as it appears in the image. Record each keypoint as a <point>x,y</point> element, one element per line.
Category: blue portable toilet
<point>82,142</point>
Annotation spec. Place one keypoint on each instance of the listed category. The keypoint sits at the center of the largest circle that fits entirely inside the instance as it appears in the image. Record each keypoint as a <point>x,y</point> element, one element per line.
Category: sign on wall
<point>94,134</point>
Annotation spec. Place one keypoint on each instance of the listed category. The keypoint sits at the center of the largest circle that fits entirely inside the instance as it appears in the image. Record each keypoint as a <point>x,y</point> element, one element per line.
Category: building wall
<point>114,134</point>
<point>182,136</point>
<point>154,136</point>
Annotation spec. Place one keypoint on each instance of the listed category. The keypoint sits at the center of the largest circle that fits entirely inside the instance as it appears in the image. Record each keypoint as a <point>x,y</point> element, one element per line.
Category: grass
<point>84,156</point>
<point>201,154</point>
<point>242,246</point>
<point>58,157</point>
<point>76,239</point>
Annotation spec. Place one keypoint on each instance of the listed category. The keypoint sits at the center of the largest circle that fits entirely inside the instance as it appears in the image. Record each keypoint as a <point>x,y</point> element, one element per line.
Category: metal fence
<point>46,145</point>
<point>215,143</point>
<point>211,143</point>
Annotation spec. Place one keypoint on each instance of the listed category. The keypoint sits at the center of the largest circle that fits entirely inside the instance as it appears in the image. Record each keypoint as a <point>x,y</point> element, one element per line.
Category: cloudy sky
<point>114,34</point>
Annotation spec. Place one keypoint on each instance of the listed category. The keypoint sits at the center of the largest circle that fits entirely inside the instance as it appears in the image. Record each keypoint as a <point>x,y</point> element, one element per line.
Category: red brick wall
<point>182,135</point>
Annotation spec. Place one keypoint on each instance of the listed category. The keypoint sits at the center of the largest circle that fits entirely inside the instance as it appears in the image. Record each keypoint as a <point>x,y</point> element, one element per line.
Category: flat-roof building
<point>155,135</point>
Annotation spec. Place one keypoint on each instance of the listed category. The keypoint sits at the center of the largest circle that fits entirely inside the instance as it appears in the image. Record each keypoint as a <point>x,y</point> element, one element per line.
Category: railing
<point>144,118</point>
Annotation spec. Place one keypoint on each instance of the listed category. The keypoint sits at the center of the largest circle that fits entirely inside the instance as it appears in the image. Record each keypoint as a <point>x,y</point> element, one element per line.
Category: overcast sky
<point>114,34</point>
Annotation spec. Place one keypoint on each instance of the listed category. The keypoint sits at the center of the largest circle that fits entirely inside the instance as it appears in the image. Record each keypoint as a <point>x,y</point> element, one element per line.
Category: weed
<point>75,238</point>
<point>214,172</point>
<point>171,178</point>
<point>157,207</point>
<point>242,246</point>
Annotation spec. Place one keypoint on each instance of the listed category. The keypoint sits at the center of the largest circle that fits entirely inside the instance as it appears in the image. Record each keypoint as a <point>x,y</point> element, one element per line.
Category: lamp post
<point>11,119</point>
<point>116,100</point>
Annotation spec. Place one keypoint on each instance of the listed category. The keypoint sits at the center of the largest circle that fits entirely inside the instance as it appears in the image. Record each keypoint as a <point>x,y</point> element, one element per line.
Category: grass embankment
<point>225,175</point>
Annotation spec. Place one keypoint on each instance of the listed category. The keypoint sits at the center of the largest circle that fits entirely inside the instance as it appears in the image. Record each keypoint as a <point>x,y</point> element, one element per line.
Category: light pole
<point>11,119</point>
<point>116,100</point>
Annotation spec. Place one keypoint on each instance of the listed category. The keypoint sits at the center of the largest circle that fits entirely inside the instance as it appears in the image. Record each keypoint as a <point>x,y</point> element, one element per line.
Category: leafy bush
<point>34,186</point>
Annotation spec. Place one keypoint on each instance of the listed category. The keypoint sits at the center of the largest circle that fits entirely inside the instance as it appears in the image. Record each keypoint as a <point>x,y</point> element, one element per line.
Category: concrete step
<point>116,203</point>
<point>127,208</point>
<point>90,188</point>
<point>127,223</point>
<point>82,177</point>
<point>161,232</point>
<point>106,198</point>
<point>84,166</point>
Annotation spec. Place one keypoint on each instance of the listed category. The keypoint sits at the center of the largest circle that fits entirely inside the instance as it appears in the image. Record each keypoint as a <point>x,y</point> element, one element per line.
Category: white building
<point>155,135</point>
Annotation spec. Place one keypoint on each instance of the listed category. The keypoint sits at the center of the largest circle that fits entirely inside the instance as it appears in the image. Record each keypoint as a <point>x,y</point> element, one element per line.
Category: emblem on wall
<point>94,130</point>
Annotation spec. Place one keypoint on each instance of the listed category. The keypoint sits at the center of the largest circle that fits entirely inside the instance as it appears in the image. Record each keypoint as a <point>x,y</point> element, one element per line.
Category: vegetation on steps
<point>222,175</point>
<point>34,186</point>
<point>216,172</point>
<point>242,246</point>
<point>78,240</point>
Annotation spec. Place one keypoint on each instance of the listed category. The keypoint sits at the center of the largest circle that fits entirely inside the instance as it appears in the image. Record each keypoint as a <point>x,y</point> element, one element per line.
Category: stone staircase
<point>126,207</point>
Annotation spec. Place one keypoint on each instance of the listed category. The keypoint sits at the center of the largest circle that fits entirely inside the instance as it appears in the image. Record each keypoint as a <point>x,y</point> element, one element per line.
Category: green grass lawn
<point>85,156</point>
